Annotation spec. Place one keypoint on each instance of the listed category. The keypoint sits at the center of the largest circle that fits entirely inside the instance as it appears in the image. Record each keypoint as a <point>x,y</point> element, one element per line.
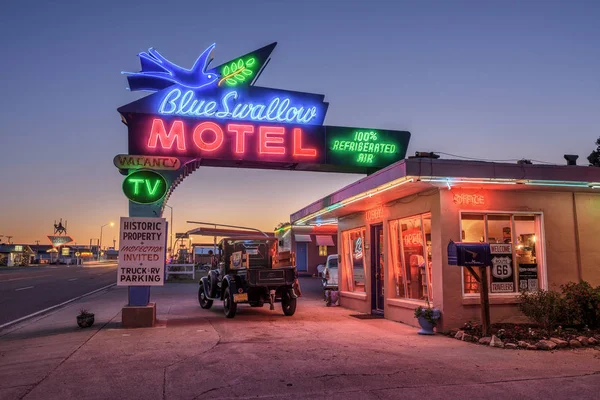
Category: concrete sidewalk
<point>318,353</point>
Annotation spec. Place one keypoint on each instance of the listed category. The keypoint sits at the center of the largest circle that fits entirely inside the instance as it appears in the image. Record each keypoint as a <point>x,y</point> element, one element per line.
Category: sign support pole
<point>485,302</point>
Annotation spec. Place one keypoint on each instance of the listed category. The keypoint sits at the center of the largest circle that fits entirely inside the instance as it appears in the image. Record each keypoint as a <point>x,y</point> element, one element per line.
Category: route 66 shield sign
<point>501,267</point>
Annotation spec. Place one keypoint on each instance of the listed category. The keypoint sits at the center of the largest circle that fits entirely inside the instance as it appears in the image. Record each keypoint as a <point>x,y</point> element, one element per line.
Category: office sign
<point>142,251</point>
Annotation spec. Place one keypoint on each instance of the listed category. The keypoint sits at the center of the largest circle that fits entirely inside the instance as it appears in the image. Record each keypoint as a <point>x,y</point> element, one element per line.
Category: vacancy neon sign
<point>222,140</point>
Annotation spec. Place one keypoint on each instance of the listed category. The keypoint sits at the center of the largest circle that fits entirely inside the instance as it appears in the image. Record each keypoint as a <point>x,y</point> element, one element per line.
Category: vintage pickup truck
<point>250,270</point>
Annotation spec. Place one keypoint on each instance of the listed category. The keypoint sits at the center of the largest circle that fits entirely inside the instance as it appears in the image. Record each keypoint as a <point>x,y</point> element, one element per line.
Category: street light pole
<point>100,241</point>
<point>170,230</point>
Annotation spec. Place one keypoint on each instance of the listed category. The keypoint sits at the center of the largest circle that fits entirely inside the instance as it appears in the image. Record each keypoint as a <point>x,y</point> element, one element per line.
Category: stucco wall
<point>588,221</point>
<point>558,236</point>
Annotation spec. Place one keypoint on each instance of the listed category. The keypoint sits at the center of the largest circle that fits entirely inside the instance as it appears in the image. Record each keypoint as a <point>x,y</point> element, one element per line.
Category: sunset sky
<point>498,80</point>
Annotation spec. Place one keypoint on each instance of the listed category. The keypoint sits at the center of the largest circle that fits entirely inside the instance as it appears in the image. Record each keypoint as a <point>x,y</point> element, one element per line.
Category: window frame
<point>421,216</point>
<point>323,251</point>
<point>542,265</point>
<point>364,265</point>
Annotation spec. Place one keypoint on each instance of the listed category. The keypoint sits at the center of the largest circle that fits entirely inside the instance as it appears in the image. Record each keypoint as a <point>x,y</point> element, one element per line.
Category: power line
<point>485,159</point>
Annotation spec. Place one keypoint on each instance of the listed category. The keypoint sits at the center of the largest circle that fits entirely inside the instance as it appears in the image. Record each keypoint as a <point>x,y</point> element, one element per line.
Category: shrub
<point>545,308</point>
<point>583,304</point>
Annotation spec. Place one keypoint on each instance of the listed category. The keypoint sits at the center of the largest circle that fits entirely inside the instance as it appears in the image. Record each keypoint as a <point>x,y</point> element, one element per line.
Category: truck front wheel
<point>202,299</point>
<point>229,306</point>
<point>288,304</point>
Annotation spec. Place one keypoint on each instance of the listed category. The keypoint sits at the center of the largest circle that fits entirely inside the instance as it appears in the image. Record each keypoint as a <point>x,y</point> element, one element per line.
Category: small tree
<point>594,157</point>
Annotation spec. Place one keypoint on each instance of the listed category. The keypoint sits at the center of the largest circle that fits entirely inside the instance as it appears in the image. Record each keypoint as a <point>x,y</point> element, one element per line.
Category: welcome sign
<point>217,116</point>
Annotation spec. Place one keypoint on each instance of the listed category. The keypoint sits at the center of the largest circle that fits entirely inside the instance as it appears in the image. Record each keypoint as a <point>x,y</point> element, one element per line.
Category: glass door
<point>377,269</point>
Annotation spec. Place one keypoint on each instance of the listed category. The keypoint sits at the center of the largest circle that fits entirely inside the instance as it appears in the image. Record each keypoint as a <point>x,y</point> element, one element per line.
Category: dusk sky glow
<point>498,80</point>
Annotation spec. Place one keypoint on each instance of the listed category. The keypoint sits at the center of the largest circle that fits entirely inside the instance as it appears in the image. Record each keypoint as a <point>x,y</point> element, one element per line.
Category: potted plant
<point>85,319</point>
<point>427,317</point>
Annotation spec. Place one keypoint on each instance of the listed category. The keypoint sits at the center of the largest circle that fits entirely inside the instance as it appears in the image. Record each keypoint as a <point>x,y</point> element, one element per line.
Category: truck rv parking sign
<point>142,252</point>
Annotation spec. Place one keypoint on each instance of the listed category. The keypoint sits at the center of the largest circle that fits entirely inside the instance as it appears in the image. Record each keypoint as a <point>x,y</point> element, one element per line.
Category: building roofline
<point>457,171</point>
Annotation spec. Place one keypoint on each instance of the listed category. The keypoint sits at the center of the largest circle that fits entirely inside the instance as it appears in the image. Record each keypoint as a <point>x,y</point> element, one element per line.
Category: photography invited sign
<point>142,251</point>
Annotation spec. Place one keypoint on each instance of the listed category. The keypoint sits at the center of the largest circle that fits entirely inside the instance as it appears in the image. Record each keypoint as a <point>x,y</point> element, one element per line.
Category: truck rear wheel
<point>288,304</point>
<point>202,299</point>
<point>229,306</point>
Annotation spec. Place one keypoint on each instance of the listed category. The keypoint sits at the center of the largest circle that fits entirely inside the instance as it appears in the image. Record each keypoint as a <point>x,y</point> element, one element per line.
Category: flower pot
<point>426,326</point>
<point>85,321</point>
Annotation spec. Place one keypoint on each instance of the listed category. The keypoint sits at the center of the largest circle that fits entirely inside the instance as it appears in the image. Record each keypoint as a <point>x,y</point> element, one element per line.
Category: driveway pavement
<point>321,352</point>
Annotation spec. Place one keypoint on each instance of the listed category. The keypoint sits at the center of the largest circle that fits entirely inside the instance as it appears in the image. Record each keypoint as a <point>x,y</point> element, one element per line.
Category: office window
<point>516,253</point>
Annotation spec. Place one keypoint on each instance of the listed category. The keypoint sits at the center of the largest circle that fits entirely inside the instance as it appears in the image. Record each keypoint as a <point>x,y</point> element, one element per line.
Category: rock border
<point>550,344</point>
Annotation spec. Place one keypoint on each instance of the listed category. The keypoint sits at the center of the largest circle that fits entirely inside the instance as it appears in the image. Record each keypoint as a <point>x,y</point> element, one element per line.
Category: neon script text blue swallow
<point>279,109</point>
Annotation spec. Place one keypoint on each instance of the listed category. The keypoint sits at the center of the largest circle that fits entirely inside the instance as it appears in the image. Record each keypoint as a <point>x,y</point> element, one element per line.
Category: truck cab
<point>250,270</point>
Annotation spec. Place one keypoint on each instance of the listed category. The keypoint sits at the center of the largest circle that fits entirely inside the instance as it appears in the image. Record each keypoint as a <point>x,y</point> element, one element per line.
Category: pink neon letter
<point>298,150</point>
<point>266,137</point>
<point>208,126</point>
<point>158,133</point>
<point>240,131</point>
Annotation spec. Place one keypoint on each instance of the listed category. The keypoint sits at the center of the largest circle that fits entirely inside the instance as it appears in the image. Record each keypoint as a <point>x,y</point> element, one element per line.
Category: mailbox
<point>469,254</point>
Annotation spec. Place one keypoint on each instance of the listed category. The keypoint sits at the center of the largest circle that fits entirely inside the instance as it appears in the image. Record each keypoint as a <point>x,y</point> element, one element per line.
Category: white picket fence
<point>181,269</point>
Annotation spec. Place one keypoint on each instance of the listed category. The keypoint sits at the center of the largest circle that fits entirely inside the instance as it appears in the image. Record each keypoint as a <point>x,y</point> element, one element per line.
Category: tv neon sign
<point>278,109</point>
<point>144,187</point>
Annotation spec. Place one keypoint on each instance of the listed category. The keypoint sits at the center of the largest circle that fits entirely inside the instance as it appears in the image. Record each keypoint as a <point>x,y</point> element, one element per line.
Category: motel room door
<point>302,256</point>
<point>377,270</point>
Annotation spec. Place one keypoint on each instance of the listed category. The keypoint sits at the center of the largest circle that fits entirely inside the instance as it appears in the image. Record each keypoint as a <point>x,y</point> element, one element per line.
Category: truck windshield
<point>333,263</point>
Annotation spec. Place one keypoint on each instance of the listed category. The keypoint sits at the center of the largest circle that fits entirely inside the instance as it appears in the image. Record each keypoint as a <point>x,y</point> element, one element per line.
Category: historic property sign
<point>142,251</point>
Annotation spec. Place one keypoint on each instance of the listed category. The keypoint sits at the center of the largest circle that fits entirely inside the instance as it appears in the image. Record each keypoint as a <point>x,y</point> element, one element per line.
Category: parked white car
<point>330,273</point>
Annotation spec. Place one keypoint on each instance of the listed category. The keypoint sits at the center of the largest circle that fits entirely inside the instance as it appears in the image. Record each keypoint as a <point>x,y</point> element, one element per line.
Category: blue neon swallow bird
<point>158,73</point>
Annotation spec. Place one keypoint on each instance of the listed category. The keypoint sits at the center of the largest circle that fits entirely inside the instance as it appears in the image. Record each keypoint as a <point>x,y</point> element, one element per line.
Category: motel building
<point>394,226</point>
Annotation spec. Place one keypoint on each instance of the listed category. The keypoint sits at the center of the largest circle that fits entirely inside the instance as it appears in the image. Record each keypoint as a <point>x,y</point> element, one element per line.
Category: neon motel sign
<point>218,117</point>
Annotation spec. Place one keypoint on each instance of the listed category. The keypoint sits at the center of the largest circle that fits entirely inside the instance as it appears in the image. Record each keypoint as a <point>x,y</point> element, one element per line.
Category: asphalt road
<point>26,290</point>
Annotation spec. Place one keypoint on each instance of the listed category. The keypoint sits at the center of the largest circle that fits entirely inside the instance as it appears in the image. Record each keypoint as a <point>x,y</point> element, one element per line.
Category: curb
<point>54,307</point>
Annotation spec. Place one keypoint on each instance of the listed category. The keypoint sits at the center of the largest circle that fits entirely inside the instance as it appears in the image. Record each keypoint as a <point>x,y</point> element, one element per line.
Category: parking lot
<point>320,352</point>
